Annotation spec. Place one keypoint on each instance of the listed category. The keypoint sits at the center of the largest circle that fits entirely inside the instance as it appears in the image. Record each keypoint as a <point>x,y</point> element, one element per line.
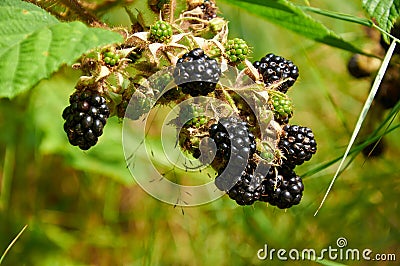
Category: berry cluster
<point>244,135</point>
<point>85,118</point>
<point>196,73</point>
<point>247,181</point>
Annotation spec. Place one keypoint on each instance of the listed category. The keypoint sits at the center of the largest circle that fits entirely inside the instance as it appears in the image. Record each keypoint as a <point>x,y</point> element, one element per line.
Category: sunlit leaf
<point>385,12</point>
<point>33,45</point>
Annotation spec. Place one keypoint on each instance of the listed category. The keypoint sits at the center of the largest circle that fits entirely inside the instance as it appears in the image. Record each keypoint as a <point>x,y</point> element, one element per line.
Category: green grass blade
<point>8,173</point>
<point>340,16</point>
<point>329,263</point>
<point>12,243</point>
<point>354,151</point>
<point>362,116</point>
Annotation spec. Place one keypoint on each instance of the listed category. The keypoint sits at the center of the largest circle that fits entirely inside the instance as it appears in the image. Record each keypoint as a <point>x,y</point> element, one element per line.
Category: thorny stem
<point>82,12</point>
<point>172,10</point>
<point>74,6</point>
<point>193,18</point>
<point>230,101</point>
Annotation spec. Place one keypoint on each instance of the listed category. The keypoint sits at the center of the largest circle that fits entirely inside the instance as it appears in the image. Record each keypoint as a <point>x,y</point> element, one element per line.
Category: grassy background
<point>83,208</point>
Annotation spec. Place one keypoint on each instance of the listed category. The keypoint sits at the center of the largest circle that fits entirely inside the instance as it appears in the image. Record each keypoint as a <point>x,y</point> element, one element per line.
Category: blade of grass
<point>380,137</point>
<point>362,116</point>
<point>348,18</point>
<point>329,263</point>
<point>369,139</point>
<point>12,243</point>
<point>354,151</point>
<point>336,15</point>
<point>8,172</point>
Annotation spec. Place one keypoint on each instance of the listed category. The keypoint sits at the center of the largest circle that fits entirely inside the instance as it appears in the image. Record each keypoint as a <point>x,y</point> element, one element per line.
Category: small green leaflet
<point>291,17</point>
<point>385,12</point>
<point>34,44</point>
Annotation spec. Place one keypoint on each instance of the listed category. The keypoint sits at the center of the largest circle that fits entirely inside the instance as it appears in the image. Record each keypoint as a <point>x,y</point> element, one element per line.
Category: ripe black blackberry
<point>249,187</point>
<point>282,188</point>
<point>277,70</point>
<point>196,74</point>
<point>209,9</point>
<point>235,146</point>
<point>297,145</point>
<point>85,118</point>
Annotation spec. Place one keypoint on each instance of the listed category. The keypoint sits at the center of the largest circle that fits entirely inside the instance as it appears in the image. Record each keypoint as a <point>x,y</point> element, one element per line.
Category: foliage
<point>384,12</point>
<point>34,45</point>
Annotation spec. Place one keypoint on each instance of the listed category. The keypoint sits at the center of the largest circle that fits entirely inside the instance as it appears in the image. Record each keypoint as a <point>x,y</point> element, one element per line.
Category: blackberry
<point>209,10</point>
<point>375,149</point>
<point>85,118</point>
<point>297,145</point>
<point>277,71</point>
<point>235,145</point>
<point>282,187</point>
<point>196,73</point>
<point>236,50</point>
<point>160,31</point>
<point>249,187</point>
<point>281,105</point>
<point>356,68</point>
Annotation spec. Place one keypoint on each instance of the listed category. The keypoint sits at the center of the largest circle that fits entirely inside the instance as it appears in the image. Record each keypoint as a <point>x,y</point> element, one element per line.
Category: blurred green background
<point>84,208</point>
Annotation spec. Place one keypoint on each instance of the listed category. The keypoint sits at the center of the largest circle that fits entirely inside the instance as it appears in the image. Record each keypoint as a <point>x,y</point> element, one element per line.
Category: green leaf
<point>385,12</point>
<point>34,45</point>
<point>293,18</point>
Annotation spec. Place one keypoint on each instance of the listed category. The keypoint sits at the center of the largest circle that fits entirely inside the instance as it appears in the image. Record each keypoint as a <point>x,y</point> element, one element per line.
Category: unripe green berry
<point>160,31</point>
<point>281,105</point>
<point>236,50</point>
